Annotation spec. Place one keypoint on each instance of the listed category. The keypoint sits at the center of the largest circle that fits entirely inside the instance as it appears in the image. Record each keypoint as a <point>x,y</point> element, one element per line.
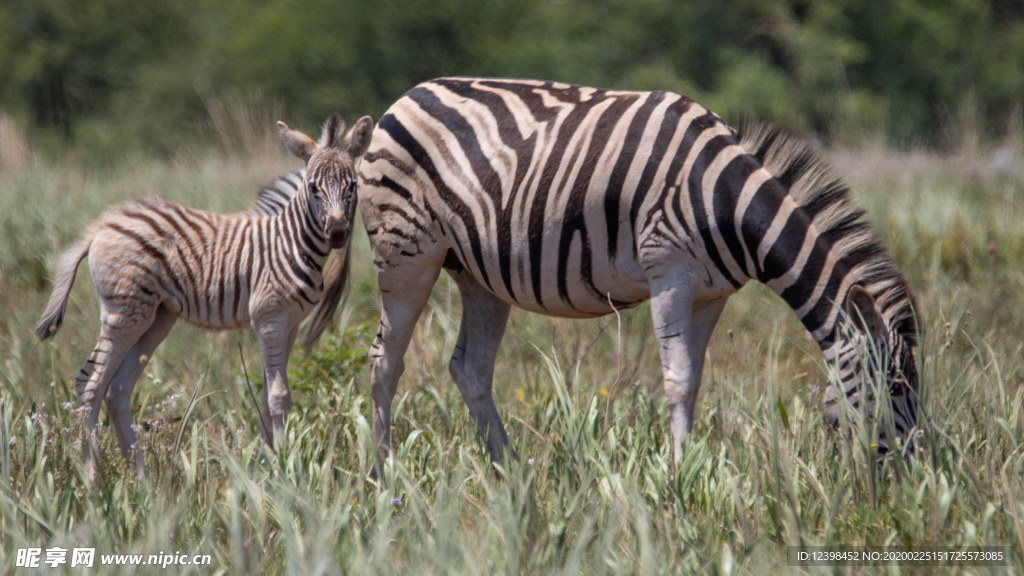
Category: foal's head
<point>329,186</point>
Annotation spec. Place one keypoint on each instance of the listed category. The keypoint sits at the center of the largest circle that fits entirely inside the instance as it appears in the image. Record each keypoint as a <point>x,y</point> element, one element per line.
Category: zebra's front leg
<point>276,336</point>
<point>484,317</point>
<point>683,328</point>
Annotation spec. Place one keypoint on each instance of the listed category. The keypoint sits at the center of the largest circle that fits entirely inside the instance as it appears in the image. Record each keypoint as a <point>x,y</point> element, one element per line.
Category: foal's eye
<point>313,189</point>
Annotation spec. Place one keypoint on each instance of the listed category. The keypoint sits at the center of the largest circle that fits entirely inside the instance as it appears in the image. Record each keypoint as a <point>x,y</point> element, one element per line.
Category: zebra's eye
<point>313,189</point>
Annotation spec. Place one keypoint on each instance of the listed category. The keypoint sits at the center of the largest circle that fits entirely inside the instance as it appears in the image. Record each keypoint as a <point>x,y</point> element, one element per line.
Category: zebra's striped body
<point>572,201</point>
<point>153,261</point>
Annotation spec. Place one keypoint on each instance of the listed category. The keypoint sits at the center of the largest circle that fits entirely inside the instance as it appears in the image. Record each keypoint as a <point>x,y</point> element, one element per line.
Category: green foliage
<point>911,70</point>
<point>339,360</point>
<point>67,61</point>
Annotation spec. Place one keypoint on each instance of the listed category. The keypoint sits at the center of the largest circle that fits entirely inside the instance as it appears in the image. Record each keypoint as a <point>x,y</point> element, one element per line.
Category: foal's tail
<point>66,269</point>
<point>335,290</point>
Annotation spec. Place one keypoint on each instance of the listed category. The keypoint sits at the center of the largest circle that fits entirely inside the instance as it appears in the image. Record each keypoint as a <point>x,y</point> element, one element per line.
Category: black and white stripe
<point>571,201</point>
<point>272,200</point>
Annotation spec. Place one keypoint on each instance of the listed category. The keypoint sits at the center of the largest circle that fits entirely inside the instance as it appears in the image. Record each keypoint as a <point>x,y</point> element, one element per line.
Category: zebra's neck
<point>811,245</point>
<point>301,232</point>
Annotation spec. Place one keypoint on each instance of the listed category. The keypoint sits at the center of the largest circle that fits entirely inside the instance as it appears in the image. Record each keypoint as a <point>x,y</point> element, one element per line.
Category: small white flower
<point>168,402</point>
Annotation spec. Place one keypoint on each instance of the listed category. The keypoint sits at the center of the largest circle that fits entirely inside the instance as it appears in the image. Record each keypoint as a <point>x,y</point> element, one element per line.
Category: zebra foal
<point>153,261</point>
<point>575,201</point>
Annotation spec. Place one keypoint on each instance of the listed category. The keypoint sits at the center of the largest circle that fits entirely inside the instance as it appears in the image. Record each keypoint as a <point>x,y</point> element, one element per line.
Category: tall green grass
<point>595,490</point>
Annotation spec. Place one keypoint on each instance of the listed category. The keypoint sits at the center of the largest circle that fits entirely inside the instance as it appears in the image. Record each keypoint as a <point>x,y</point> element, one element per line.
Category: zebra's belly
<point>211,313</point>
<point>587,306</point>
<point>581,300</point>
<point>576,291</point>
<point>218,324</point>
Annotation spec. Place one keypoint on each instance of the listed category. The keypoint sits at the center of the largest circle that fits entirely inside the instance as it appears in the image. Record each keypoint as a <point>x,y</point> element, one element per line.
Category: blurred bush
<point>915,71</point>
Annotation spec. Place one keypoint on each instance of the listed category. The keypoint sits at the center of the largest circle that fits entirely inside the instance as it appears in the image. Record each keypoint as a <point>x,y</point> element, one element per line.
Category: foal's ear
<point>297,143</point>
<point>861,308</point>
<point>334,130</point>
<point>358,140</point>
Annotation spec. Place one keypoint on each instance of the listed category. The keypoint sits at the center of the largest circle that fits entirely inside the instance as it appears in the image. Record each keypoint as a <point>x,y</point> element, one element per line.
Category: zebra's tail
<point>335,289</point>
<point>66,270</point>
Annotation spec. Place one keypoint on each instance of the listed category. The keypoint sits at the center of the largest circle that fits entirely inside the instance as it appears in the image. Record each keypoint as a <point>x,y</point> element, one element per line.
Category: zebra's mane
<point>273,197</point>
<point>826,200</point>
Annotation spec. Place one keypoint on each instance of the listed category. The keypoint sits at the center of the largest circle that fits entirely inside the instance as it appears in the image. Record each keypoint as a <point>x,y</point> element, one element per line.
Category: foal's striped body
<point>153,261</point>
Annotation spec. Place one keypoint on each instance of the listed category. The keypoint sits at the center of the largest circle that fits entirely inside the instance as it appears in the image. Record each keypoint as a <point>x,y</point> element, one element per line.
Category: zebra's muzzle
<point>336,230</point>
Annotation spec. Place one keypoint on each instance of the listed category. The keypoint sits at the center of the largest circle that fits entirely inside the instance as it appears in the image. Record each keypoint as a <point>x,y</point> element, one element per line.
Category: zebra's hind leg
<point>119,392</point>
<point>119,332</point>
<point>683,328</point>
<point>403,297</point>
<point>484,317</point>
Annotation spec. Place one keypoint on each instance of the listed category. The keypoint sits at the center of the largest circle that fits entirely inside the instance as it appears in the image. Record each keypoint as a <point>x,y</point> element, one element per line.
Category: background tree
<point>912,71</point>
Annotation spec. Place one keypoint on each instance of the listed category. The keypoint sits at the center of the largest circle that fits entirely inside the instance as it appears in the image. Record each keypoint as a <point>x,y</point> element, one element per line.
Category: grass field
<point>595,491</point>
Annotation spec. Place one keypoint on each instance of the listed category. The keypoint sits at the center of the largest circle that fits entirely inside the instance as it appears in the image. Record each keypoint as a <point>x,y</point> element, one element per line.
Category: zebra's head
<point>873,361</point>
<point>329,186</point>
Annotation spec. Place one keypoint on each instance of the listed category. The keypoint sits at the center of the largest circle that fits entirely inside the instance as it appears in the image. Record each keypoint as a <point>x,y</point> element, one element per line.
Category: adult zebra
<point>153,261</point>
<point>571,201</point>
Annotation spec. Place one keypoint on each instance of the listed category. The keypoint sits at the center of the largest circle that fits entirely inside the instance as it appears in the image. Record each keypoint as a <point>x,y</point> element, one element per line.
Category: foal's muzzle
<point>336,230</point>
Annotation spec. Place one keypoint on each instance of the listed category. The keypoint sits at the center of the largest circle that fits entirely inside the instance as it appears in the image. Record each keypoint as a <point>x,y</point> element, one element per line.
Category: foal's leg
<point>276,336</point>
<point>122,322</point>
<point>119,393</point>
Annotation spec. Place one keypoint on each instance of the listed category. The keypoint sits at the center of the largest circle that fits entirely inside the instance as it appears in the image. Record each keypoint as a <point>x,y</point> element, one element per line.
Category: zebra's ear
<point>861,308</point>
<point>358,140</point>
<point>297,143</point>
<point>334,130</point>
